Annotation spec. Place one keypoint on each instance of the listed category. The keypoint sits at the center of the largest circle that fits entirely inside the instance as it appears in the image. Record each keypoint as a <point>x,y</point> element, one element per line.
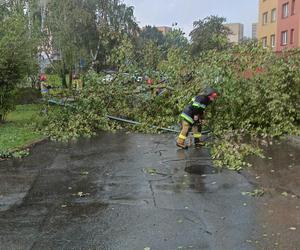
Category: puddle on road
<point>278,212</point>
<point>199,169</point>
<point>188,172</point>
<point>189,178</point>
<point>280,170</point>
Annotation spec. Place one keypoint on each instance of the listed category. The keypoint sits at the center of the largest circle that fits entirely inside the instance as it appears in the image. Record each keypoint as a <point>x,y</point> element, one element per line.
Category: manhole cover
<point>200,169</point>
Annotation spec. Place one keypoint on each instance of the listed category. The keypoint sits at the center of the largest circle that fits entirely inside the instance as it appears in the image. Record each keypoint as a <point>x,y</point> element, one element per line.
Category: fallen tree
<point>264,102</point>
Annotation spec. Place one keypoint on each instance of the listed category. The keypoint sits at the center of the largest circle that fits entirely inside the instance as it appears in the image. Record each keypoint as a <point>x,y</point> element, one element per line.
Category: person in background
<point>192,117</point>
<point>77,82</point>
<point>44,86</point>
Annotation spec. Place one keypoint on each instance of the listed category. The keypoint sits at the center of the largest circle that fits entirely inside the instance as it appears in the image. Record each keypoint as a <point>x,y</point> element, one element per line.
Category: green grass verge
<point>19,129</point>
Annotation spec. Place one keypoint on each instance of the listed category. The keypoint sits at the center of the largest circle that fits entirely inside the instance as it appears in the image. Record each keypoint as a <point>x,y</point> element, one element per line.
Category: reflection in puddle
<point>199,169</point>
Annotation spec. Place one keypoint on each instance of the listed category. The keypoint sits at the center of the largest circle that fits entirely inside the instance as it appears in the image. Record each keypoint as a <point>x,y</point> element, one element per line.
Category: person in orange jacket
<point>43,85</point>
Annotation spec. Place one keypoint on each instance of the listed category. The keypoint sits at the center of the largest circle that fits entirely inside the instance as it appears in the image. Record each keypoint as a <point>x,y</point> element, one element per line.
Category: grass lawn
<point>19,128</point>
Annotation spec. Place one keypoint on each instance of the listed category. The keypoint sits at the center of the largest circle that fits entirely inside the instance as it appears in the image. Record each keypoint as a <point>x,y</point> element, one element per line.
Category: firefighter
<point>192,117</point>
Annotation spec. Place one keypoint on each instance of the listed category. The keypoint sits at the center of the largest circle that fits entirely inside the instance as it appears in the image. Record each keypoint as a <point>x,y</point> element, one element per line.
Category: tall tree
<point>152,54</point>
<point>113,20</point>
<point>123,57</point>
<point>87,30</point>
<point>153,34</point>
<point>176,39</point>
<point>17,55</point>
<point>66,32</point>
<point>209,33</point>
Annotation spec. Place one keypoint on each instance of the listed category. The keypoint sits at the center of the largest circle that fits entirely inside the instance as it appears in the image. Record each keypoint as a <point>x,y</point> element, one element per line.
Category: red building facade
<point>288,24</point>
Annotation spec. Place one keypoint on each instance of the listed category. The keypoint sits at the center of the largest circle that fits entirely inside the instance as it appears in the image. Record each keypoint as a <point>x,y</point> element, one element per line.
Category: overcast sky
<point>185,12</point>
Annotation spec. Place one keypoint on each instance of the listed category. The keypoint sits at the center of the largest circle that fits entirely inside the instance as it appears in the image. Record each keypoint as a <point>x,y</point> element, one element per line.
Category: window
<point>272,41</point>
<point>292,36</point>
<point>264,42</point>
<point>265,18</point>
<point>284,37</point>
<point>273,15</point>
<point>285,10</point>
<point>293,7</point>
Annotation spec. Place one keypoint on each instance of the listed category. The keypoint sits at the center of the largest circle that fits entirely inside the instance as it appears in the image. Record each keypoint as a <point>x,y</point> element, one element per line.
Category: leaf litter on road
<point>81,194</point>
<point>255,193</point>
<point>153,171</point>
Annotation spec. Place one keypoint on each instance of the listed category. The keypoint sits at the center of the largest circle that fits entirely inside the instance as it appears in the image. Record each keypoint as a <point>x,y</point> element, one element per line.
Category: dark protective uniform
<point>195,108</point>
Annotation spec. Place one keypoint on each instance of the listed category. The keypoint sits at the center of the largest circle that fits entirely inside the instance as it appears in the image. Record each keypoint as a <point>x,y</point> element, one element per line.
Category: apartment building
<point>254,30</point>
<point>288,24</point>
<point>267,25</point>
<point>279,23</point>
<point>164,29</point>
<point>237,32</point>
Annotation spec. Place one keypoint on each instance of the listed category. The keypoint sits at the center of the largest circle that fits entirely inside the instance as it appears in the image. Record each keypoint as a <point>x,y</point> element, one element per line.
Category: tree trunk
<point>70,79</point>
<point>63,76</point>
<point>34,82</point>
<point>63,79</point>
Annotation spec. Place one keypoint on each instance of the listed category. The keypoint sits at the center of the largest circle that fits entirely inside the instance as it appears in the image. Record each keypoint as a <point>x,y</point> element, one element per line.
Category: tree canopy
<point>153,34</point>
<point>209,33</point>
<point>18,50</point>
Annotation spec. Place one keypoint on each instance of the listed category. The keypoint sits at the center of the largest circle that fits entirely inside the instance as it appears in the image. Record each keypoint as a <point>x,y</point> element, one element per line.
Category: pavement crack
<point>190,220</point>
<point>163,179</point>
<point>153,194</point>
<point>159,152</point>
<point>197,223</point>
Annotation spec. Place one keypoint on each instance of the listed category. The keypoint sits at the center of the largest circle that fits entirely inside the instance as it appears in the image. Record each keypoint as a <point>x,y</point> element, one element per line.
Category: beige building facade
<point>164,29</point>
<point>237,30</point>
<point>254,30</point>
<point>267,25</point>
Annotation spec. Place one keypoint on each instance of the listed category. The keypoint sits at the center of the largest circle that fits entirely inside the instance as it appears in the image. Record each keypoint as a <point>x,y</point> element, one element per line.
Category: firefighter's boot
<point>198,143</point>
<point>181,142</point>
<point>197,140</point>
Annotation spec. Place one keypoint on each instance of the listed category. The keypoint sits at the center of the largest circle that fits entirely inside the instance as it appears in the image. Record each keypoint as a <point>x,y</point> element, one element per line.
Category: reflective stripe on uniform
<point>197,136</point>
<point>199,105</point>
<point>181,136</point>
<point>187,118</point>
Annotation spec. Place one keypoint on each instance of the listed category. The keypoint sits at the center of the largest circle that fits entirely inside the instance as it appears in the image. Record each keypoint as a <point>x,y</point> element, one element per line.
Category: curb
<point>32,144</point>
<point>28,146</point>
<point>294,140</point>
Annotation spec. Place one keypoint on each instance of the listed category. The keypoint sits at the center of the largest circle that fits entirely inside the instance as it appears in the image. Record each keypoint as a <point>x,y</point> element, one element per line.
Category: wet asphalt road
<point>134,192</point>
